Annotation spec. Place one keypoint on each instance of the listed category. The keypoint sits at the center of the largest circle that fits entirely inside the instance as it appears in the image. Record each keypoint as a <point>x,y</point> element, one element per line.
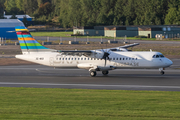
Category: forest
<point>68,13</point>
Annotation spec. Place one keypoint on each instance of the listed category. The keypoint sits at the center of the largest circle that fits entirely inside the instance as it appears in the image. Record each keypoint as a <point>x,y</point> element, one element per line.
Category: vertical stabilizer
<point>27,42</point>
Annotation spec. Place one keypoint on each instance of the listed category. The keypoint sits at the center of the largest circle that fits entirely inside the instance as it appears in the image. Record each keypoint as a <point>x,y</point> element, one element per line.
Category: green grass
<point>75,104</point>
<point>52,34</point>
<point>67,34</point>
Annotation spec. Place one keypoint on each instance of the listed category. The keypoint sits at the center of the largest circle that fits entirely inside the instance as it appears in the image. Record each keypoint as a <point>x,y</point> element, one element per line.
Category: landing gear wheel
<point>162,72</point>
<point>93,73</point>
<point>105,72</point>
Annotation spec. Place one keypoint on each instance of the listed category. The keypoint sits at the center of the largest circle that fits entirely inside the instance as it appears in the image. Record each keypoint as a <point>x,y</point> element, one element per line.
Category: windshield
<point>158,56</point>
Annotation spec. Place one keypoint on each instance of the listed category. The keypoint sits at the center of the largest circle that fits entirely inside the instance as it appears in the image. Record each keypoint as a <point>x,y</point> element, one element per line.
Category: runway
<point>38,76</point>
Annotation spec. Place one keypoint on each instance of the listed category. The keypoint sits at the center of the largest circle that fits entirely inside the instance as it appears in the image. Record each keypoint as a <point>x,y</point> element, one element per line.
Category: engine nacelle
<point>92,67</point>
<point>97,54</point>
<point>86,66</point>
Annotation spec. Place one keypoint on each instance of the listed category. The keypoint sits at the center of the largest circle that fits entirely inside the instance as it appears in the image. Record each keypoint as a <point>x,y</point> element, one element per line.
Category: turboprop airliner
<point>93,60</point>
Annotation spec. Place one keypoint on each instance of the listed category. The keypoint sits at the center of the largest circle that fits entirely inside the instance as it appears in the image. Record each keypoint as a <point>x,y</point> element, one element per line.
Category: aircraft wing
<point>77,53</point>
<point>122,48</point>
<point>100,53</point>
<point>130,45</point>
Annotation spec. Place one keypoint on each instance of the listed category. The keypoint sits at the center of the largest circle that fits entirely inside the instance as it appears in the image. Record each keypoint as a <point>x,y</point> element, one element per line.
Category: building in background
<point>149,31</point>
<point>121,31</point>
<point>160,30</point>
<point>9,25</point>
<point>24,18</point>
<point>20,17</point>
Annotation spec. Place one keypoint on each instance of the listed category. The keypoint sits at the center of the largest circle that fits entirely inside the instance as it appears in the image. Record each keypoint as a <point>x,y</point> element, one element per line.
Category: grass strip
<point>68,34</point>
<point>52,34</point>
<point>52,104</point>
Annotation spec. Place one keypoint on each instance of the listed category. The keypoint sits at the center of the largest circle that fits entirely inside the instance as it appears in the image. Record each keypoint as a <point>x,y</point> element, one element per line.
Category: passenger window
<point>123,58</point>
<point>84,58</point>
<point>116,58</point>
<point>120,58</point>
<point>78,58</point>
<point>59,58</point>
<point>66,58</point>
<point>126,58</point>
<point>132,58</point>
<point>129,58</point>
<point>69,58</point>
<point>63,59</point>
<point>74,58</point>
<point>113,58</point>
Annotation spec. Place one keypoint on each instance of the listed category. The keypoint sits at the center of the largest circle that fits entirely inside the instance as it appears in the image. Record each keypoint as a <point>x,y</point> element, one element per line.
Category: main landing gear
<point>94,73</point>
<point>105,72</point>
<point>161,71</point>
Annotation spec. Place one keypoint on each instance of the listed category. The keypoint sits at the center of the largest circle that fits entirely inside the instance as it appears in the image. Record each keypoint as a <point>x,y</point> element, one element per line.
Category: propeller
<point>106,56</point>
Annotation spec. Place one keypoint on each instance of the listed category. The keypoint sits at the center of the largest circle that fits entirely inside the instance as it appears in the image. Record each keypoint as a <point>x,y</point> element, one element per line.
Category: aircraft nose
<point>169,62</point>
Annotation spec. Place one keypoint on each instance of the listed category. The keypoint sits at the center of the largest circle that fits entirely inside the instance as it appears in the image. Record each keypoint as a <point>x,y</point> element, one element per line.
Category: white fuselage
<point>120,60</point>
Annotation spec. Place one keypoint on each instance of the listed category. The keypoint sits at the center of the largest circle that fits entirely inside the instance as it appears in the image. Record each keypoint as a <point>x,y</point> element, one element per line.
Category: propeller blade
<point>106,55</point>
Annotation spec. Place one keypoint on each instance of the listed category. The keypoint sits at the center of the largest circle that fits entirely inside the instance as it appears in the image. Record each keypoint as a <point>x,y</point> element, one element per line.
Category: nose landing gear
<point>161,71</point>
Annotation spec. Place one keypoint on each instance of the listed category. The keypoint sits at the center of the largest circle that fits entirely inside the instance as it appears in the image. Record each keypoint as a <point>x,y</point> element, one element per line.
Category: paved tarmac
<point>38,76</point>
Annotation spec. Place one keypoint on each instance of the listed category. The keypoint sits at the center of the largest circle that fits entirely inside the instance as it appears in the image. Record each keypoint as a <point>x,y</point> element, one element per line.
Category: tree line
<point>70,13</point>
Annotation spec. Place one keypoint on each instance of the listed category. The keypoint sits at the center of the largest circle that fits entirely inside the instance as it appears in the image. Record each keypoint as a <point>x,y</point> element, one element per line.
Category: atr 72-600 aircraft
<point>92,60</point>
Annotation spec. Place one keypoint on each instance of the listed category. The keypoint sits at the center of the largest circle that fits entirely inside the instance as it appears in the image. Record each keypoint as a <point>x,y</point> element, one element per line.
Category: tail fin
<point>27,42</point>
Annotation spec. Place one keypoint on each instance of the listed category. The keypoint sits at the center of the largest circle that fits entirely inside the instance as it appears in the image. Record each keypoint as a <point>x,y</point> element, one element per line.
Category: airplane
<point>102,60</point>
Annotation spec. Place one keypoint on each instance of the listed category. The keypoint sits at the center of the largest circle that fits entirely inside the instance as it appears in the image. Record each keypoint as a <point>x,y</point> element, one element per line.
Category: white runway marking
<point>91,85</point>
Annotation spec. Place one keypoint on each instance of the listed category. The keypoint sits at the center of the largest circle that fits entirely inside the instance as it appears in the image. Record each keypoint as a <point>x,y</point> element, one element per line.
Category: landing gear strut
<point>105,72</point>
<point>93,73</point>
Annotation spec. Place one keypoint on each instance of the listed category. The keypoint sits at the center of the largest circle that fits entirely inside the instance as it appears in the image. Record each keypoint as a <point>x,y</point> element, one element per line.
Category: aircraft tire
<point>162,72</point>
<point>93,74</point>
<point>105,72</point>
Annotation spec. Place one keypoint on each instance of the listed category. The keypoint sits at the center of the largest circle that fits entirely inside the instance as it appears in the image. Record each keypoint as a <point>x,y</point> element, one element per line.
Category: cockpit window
<point>158,56</point>
<point>161,56</point>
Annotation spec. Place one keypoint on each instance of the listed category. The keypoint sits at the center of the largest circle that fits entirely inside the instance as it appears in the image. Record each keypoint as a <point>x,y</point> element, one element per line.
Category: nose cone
<point>169,62</point>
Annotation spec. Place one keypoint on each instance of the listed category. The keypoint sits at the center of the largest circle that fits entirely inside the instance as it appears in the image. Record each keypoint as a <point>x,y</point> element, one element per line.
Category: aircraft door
<point>51,61</point>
